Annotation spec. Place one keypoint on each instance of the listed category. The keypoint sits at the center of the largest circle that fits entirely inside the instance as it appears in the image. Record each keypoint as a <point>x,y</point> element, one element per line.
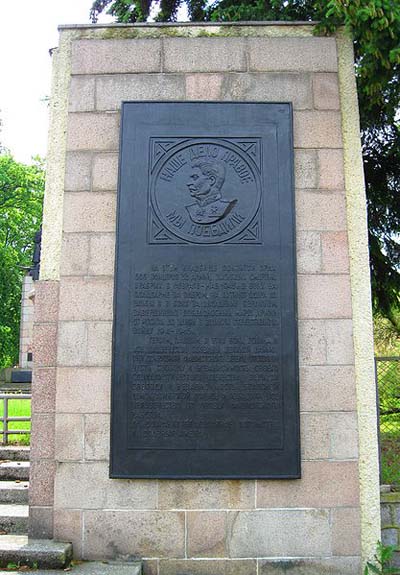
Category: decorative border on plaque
<point>205,191</point>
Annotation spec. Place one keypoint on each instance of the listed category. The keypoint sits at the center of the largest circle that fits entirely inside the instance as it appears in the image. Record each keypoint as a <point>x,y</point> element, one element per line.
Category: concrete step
<point>12,470</point>
<point>14,518</point>
<point>14,453</point>
<point>42,553</point>
<point>91,568</point>
<point>14,492</point>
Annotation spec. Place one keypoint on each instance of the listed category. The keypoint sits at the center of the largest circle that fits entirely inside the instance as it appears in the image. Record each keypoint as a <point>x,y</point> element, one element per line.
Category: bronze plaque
<point>205,375</point>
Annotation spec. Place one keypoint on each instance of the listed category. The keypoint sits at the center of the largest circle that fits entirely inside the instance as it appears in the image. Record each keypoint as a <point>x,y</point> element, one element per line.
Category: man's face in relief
<point>200,185</point>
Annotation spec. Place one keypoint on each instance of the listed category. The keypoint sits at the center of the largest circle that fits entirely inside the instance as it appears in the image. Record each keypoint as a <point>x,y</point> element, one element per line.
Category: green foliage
<point>375,26</point>
<point>21,197</point>
<point>382,559</point>
<point>386,337</point>
<point>139,11</point>
<point>390,458</point>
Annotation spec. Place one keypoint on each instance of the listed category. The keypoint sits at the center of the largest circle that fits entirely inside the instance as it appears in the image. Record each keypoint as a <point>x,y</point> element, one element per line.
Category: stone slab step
<point>14,518</point>
<point>11,470</point>
<point>14,492</point>
<point>44,553</point>
<point>91,568</point>
<point>14,453</point>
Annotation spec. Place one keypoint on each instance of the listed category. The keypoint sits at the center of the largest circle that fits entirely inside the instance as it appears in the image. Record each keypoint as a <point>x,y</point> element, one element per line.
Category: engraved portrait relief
<point>205,185</point>
<point>204,191</point>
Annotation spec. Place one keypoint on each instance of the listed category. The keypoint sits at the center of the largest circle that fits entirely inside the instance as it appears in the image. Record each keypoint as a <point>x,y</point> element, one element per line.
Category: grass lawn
<point>17,408</point>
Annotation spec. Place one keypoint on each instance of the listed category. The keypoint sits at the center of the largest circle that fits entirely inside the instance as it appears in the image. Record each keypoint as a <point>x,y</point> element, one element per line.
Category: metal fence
<point>387,371</point>
<point>388,380</point>
<point>5,418</point>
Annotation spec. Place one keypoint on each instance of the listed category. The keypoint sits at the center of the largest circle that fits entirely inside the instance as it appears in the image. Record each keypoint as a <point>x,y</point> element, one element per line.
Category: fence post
<point>378,418</point>
<point>5,421</point>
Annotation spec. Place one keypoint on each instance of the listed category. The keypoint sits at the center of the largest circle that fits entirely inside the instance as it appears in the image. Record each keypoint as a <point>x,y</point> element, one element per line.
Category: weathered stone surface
<point>323,484</point>
<point>99,568</point>
<point>75,255</point>
<point>41,487</point>
<point>331,173</point>
<point>15,453</point>
<point>14,492</point>
<point>45,344</point>
<point>315,436</point>
<point>204,86</point>
<point>326,92</point>
<point>109,493</point>
<point>102,248</point>
<point>42,438</point>
<point>312,342</point>
<point>204,55</point>
<point>339,341</point>
<point>45,553</point>
<point>81,94</point>
<point>329,436</point>
<point>206,533</point>
<point>72,343</point>
<point>40,524</point>
<point>344,438</point>
<point>386,515</point>
<point>295,88</point>
<point>326,342</point>
<point>389,536</point>
<point>44,390</point>
<point>208,567</point>
<point>317,129</point>
<point>92,131</point>
<point>89,212</point>
<point>150,567</point>
<point>306,169</point>
<point>86,299</point>
<point>99,343</point>
<point>14,518</point>
<point>83,390</point>
<point>68,527</point>
<point>46,301</point>
<point>346,521</point>
<point>206,494</point>
<point>97,436</point>
<point>77,171</point>
<point>335,252</point>
<point>309,253</point>
<point>317,211</point>
<point>14,470</point>
<point>320,566</point>
<point>335,300</point>
<point>327,388</point>
<point>263,533</point>
<point>116,56</point>
<point>134,533</point>
<point>295,54</point>
<point>105,172</point>
<point>112,90</point>
<point>69,437</point>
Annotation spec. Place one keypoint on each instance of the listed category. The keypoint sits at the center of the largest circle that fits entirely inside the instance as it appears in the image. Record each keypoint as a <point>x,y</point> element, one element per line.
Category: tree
<point>375,25</point>
<point>21,198</point>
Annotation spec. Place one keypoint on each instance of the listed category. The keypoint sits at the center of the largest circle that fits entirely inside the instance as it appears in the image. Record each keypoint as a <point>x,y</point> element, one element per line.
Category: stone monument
<point>235,144</point>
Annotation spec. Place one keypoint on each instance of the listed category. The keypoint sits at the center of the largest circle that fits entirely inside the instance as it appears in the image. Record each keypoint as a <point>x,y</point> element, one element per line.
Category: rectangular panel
<point>205,378</point>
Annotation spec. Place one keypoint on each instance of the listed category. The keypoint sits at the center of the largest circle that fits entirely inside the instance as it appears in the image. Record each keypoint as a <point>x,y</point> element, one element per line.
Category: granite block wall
<point>306,526</point>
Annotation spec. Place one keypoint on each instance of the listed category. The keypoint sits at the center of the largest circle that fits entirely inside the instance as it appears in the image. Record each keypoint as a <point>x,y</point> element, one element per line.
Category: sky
<point>28,29</point>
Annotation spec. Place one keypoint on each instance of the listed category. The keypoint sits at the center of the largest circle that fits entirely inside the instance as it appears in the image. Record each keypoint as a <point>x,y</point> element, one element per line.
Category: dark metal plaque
<point>205,378</point>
